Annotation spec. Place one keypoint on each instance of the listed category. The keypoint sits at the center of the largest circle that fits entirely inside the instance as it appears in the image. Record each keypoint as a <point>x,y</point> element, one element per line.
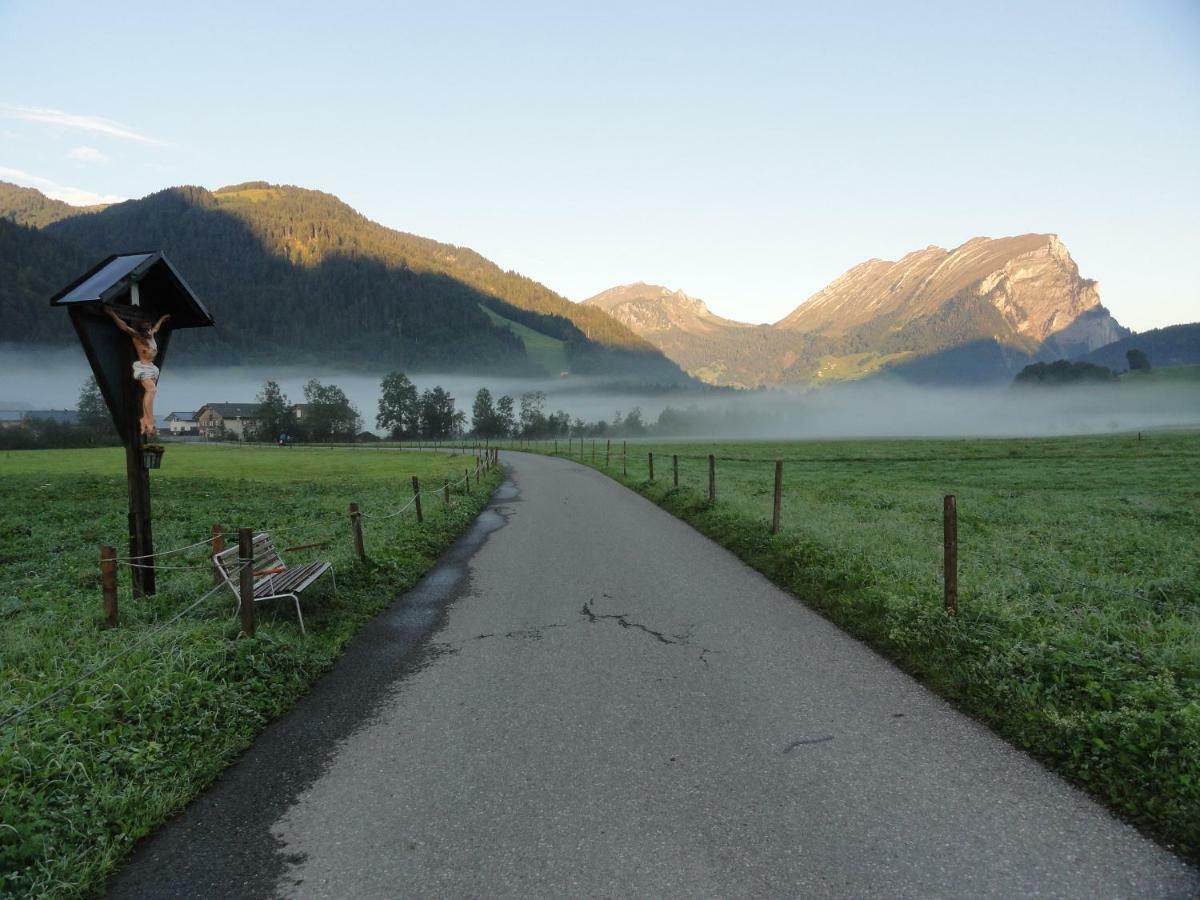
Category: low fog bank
<point>51,378</point>
<point>891,409</point>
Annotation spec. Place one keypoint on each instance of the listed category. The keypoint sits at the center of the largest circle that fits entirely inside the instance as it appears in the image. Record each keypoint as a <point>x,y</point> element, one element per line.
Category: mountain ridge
<point>296,274</point>
<point>1022,293</point>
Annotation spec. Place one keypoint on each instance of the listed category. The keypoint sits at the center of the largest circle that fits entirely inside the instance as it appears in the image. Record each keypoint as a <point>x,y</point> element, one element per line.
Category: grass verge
<point>85,775</point>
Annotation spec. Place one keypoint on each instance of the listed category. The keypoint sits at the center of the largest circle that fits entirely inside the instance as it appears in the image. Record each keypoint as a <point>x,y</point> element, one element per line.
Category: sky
<point>747,154</point>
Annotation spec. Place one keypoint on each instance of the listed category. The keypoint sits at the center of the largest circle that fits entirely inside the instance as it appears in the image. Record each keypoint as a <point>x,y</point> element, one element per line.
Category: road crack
<point>622,619</point>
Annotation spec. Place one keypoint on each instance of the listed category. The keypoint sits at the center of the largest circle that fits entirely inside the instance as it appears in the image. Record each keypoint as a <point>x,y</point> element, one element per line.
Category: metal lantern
<point>152,455</point>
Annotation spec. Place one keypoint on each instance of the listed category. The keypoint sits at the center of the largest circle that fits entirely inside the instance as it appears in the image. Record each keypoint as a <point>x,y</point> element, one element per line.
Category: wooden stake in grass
<point>218,545</point>
<point>108,583</point>
<point>417,499</point>
<point>593,451</point>
<point>624,458</point>
<point>675,470</point>
<point>467,481</point>
<point>356,531</point>
<point>950,553</point>
<point>446,492</point>
<point>650,464</point>
<point>246,579</point>
<point>607,451</point>
<point>712,478</point>
<point>778,496</point>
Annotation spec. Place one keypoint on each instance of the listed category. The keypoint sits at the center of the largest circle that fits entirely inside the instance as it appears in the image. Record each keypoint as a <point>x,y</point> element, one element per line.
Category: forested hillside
<point>34,265</point>
<point>1176,345</point>
<point>27,206</point>
<point>296,275</point>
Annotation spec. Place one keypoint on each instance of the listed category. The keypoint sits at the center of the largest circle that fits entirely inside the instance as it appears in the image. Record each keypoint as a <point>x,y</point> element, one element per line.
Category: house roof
<point>232,410</point>
<point>182,416</point>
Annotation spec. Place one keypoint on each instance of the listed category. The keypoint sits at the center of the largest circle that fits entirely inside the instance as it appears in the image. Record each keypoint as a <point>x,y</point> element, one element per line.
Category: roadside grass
<point>88,773</point>
<point>1078,636</point>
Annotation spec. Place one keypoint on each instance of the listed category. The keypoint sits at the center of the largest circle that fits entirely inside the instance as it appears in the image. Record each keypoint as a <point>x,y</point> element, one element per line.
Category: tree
<point>399,411</point>
<point>634,426</point>
<point>1138,361</point>
<point>330,414</point>
<point>274,413</point>
<point>93,411</point>
<point>505,417</point>
<point>1062,372</point>
<point>483,415</point>
<point>533,419</point>
<point>439,419</point>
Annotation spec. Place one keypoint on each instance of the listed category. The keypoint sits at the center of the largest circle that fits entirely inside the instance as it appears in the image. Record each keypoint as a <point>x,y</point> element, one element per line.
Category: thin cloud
<point>87,155</point>
<point>94,124</point>
<point>67,194</point>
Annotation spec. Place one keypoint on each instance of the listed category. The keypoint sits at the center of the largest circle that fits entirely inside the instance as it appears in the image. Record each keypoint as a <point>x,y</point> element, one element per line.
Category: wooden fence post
<point>712,478</point>
<point>778,496</point>
<point>246,579</point>
<point>624,458</point>
<point>607,451</point>
<point>467,481</point>
<point>650,463</point>
<point>360,549</point>
<point>446,491</point>
<point>417,498</point>
<point>675,469</point>
<point>950,553</point>
<point>218,545</point>
<point>556,446</point>
<point>108,583</point>
<point>593,451</point>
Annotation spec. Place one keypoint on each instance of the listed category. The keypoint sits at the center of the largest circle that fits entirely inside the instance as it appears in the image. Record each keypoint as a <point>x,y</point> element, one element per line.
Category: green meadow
<point>1078,636</point>
<point>135,720</point>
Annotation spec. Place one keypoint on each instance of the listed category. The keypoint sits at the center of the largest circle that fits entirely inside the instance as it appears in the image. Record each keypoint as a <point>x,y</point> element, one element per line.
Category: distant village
<point>234,421</point>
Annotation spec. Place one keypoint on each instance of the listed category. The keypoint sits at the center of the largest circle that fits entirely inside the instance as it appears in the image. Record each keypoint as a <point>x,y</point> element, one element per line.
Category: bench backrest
<point>265,557</point>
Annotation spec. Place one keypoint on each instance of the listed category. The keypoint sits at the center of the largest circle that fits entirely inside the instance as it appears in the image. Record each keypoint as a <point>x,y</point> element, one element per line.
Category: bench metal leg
<point>296,600</point>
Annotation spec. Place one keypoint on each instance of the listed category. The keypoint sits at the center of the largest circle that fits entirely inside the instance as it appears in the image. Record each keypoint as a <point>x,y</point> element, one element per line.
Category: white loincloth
<point>142,371</point>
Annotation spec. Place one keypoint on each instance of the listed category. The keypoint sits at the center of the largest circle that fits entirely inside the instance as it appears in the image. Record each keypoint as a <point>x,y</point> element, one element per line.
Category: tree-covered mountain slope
<point>296,275</point>
<point>27,206</point>
<point>1175,345</point>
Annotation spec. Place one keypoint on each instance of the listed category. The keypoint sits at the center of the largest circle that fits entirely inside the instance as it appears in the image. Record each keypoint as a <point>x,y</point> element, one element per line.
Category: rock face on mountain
<point>1030,280</point>
<point>979,311</point>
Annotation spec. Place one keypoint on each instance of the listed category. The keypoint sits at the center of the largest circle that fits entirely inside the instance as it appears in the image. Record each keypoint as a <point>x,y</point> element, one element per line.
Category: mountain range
<point>980,311</point>
<point>296,275</point>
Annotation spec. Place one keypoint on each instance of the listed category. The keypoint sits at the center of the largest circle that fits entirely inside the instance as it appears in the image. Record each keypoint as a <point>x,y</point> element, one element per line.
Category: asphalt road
<point>588,698</point>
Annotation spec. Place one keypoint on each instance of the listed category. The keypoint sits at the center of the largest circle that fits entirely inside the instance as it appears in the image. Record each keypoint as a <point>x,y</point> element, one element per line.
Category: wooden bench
<point>273,578</point>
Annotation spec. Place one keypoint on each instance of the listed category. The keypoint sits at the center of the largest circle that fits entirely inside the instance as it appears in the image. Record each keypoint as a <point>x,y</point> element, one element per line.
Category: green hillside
<point>1175,345</point>
<point>296,275</point>
<point>547,352</point>
<point>27,206</point>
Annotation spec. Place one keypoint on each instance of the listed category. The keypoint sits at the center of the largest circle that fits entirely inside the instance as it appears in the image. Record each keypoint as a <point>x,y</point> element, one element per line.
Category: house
<point>61,416</point>
<point>181,423</point>
<point>299,411</point>
<point>234,420</point>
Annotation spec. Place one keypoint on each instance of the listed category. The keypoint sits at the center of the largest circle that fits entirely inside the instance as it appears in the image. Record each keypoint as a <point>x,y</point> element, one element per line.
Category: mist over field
<point>50,378</point>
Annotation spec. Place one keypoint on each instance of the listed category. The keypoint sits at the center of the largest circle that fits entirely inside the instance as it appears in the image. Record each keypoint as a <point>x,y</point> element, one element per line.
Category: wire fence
<point>604,452</point>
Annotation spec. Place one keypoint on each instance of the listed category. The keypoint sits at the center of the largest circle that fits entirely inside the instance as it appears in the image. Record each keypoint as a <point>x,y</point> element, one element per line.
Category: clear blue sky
<point>746,154</point>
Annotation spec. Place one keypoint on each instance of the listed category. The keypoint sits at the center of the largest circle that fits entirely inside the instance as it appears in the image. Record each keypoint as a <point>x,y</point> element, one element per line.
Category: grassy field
<point>93,769</point>
<point>549,353</point>
<point>1079,631</point>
